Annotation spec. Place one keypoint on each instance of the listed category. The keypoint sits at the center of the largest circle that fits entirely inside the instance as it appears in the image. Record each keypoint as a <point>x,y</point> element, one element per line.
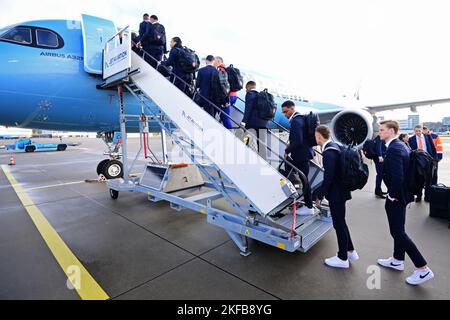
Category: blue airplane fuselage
<point>49,89</point>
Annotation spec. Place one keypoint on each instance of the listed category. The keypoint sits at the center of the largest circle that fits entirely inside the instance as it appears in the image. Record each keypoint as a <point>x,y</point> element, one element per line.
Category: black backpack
<point>370,150</point>
<point>235,79</point>
<point>422,168</point>
<point>354,173</point>
<point>189,61</point>
<point>312,121</point>
<point>158,35</point>
<point>218,94</point>
<point>224,82</point>
<point>265,105</point>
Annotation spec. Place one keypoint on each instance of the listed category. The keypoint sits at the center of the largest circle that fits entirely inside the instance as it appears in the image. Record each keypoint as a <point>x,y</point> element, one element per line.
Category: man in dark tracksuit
<point>204,83</point>
<point>300,152</point>
<point>252,121</point>
<point>143,26</point>
<point>380,148</point>
<point>158,47</point>
<point>145,32</point>
<point>337,196</point>
<point>396,171</point>
<point>178,77</point>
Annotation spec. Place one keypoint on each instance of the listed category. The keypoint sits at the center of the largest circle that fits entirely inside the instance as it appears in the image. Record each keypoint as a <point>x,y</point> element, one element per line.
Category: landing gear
<point>111,169</point>
<point>101,165</point>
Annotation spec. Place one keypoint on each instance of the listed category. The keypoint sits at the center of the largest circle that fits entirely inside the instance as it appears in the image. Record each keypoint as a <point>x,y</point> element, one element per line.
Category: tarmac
<point>131,248</point>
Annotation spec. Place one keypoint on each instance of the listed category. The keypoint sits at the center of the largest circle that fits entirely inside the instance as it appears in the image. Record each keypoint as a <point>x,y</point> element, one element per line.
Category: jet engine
<point>352,127</point>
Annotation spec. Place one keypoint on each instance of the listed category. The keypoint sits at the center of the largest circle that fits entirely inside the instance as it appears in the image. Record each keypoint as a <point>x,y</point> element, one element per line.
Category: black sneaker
<point>380,196</point>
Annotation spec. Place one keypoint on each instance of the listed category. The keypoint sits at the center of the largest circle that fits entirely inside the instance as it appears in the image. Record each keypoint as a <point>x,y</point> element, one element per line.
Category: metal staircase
<point>258,193</point>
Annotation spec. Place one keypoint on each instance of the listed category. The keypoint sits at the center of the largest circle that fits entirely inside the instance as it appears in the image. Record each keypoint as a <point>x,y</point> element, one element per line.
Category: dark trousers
<point>379,180</point>
<point>303,166</point>
<point>436,177</point>
<point>208,107</point>
<point>434,181</point>
<point>156,54</point>
<point>181,83</point>
<point>343,234</point>
<point>396,213</point>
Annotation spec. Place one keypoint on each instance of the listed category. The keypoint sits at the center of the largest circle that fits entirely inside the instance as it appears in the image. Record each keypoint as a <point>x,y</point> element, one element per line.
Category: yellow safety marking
<point>203,211</point>
<point>281,246</point>
<point>86,286</point>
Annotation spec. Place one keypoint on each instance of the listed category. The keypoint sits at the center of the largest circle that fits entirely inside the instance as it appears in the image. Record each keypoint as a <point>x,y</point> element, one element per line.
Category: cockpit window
<point>46,38</point>
<point>20,35</point>
<point>32,36</point>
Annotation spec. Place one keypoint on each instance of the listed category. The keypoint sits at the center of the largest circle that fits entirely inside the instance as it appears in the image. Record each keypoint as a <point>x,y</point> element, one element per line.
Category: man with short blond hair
<point>395,175</point>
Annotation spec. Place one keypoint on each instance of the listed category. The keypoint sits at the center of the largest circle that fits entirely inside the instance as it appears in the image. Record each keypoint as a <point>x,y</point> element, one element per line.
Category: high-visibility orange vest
<point>439,146</point>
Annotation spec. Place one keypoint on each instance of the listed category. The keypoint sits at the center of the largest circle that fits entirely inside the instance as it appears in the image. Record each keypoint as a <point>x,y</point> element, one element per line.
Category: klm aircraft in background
<point>50,72</point>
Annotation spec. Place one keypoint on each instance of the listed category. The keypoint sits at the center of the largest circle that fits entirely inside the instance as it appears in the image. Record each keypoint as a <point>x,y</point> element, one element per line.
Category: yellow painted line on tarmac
<point>86,286</point>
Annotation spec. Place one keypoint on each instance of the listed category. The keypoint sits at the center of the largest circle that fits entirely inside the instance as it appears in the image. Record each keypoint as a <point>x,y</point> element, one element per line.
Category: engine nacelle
<point>352,127</point>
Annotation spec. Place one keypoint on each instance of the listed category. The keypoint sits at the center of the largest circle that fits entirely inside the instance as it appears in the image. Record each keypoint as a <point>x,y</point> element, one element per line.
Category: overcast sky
<point>394,51</point>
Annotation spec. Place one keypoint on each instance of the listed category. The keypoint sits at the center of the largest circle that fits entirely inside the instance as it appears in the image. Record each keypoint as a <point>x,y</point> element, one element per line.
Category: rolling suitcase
<point>440,202</point>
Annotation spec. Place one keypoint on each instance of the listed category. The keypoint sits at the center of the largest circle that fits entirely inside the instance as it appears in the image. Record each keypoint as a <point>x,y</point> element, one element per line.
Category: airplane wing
<point>411,105</point>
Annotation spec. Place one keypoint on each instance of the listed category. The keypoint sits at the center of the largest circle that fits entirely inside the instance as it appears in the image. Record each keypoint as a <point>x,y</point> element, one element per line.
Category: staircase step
<point>314,233</point>
<point>301,221</point>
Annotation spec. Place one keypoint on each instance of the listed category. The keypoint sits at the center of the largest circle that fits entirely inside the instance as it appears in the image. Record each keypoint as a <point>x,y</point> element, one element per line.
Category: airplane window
<point>46,38</point>
<point>20,35</point>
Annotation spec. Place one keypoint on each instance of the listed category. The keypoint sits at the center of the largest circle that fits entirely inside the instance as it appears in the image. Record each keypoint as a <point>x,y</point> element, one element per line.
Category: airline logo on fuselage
<point>118,58</point>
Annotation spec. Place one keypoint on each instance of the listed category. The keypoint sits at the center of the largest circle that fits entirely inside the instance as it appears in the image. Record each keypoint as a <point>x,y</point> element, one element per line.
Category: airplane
<point>49,80</point>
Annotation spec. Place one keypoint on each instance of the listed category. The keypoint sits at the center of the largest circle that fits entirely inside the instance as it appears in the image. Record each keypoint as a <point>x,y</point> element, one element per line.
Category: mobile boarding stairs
<point>221,165</point>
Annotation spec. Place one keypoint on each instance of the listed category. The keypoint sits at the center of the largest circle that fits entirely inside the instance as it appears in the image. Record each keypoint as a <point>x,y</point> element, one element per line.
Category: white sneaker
<point>392,263</point>
<point>305,211</point>
<point>420,277</point>
<point>336,262</point>
<point>353,256</point>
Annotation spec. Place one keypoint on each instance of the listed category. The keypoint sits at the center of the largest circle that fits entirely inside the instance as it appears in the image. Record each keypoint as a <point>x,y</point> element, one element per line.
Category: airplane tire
<point>62,147</point>
<point>100,166</point>
<point>113,170</point>
<point>30,149</point>
<point>114,194</point>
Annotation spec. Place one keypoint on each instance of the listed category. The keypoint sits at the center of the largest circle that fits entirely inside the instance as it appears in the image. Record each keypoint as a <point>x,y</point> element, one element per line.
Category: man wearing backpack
<point>157,40</point>
<point>337,196</point>
<point>181,75</point>
<point>225,84</point>
<point>395,175</point>
<point>252,121</point>
<point>236,83</point>
<point>298,150</point>
<point>423,142</point>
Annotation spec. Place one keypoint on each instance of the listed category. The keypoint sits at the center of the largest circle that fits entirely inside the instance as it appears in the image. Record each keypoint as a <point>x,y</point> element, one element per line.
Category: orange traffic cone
<point>11,161</point>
